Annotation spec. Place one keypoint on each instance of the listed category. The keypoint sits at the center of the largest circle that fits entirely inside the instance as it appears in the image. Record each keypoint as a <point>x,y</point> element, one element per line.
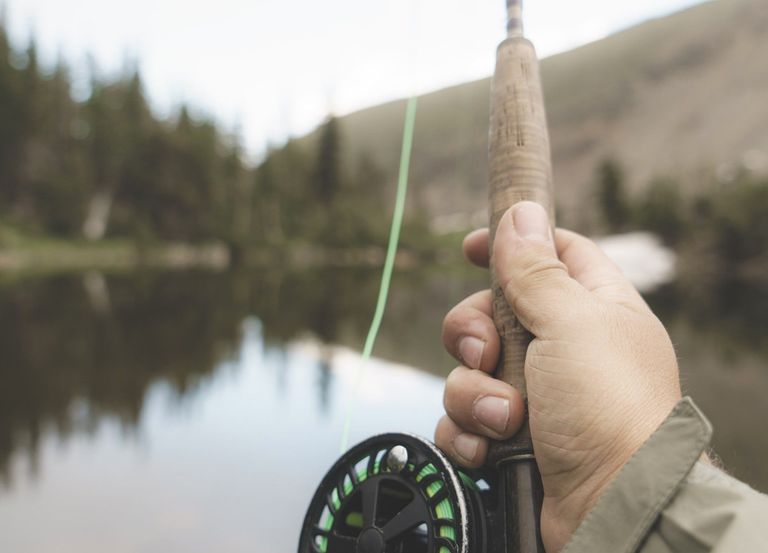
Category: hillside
<point>678,96</point>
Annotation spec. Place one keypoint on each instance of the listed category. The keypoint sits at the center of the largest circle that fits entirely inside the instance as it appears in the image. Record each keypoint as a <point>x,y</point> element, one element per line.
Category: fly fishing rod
<point>520,168</point>
<point>398,493</point>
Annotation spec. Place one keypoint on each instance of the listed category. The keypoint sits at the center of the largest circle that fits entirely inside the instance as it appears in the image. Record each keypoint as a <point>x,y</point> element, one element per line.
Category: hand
<point>601,371</point>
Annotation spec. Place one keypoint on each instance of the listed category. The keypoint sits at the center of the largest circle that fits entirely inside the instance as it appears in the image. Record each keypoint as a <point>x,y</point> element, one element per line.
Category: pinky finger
<point>464,448</point>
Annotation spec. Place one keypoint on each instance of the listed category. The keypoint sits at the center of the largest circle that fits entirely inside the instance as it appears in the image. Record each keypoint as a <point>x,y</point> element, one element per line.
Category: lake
<point>196,411</point>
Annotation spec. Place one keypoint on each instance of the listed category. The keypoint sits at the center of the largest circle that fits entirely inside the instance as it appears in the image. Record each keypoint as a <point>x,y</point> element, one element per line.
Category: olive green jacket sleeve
<point>665,500</point>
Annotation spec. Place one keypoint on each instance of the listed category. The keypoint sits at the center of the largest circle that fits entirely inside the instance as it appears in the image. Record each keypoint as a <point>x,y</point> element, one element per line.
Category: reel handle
<point>520,168</point>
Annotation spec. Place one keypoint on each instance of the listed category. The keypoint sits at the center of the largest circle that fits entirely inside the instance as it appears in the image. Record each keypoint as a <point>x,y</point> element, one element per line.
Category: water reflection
<point>195,410</point>
<point>72,355</point>
<point>228,463</point>
<point>79,348</point>
<point>732,312</point>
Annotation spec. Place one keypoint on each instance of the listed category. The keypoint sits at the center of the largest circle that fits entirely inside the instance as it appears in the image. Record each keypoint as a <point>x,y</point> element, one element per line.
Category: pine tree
<point>327,175</point>
<point>661,210</point>
<point>107,166</point>
<point>12,127</point>
<point>611,196</point>
<point>267,204</point>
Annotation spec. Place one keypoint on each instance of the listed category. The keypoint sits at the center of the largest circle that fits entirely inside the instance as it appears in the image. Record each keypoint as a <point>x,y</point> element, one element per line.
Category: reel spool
<point>397,493</point>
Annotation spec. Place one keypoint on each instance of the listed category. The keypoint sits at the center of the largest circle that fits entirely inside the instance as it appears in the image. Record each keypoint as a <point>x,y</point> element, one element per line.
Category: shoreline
<point>644,259</point>
<point>63,256</point>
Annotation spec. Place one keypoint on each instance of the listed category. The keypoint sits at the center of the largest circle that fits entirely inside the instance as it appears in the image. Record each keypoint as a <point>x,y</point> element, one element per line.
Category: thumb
<point>535,282</point>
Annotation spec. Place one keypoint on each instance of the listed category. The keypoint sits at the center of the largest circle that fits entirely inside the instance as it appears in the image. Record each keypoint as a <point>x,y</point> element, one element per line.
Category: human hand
<point>601,371</point>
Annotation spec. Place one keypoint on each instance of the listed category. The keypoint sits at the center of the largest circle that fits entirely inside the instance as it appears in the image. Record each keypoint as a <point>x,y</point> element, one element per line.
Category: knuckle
<point>444,425</point>
<point>541,270</point>
<point>454,319</point>
<point>454,378</point>
<point>465,320</point>
<point>444,432</point>
<point>452,389</point>
<point>540,291</point>
<point>533,275</point>
<point>448,322</point>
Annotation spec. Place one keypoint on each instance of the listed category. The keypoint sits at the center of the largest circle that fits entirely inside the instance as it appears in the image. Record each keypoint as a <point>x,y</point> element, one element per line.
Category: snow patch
<point>643,259</point>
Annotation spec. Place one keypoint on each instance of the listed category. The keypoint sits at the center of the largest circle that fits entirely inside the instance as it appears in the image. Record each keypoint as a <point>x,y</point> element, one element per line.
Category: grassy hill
<point>678,96</point>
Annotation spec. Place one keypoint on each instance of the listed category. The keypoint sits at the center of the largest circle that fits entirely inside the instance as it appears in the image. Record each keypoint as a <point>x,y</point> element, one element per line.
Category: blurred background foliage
<point>108,168</point>
<point>720,231</point>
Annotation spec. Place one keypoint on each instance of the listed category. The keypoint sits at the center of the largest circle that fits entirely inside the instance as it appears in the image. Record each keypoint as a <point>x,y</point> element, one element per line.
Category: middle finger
<point>480,404</point>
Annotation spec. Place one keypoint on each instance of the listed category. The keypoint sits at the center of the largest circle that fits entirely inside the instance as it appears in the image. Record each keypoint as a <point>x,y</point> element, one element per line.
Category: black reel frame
<point>398,493</point>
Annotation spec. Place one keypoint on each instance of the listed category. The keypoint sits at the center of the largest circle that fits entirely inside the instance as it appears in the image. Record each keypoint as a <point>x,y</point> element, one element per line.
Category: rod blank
<point>515,18</point>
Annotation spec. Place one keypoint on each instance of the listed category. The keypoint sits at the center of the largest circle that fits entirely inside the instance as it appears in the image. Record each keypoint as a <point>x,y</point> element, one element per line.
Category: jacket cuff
<point>630,505</point>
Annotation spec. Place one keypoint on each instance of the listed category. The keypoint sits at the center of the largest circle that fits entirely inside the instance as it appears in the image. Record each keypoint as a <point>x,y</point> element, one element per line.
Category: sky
<point>270,69</point>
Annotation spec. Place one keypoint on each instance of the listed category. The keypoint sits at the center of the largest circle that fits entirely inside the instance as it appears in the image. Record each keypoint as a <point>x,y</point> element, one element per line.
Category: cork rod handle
<point>519,169</point>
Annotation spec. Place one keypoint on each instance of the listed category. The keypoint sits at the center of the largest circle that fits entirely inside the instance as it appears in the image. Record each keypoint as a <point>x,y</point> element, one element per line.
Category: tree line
<point>721,229</point>
<point>108,167</point>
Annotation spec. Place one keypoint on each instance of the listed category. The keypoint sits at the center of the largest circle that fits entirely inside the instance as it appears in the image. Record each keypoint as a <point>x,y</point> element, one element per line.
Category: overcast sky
<point>272,68</point>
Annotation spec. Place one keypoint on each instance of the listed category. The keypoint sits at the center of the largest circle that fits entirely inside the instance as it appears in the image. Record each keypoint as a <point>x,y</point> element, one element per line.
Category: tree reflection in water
<point>78,349</point>
<point>63,348</point>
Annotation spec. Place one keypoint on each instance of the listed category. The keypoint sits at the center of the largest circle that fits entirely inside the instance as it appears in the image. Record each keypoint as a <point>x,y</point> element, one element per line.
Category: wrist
<point>571,495</point>
<point>561,516</point>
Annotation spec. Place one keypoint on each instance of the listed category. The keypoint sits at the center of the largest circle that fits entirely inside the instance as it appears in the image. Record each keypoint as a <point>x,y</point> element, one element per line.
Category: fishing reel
<point>397,493</point>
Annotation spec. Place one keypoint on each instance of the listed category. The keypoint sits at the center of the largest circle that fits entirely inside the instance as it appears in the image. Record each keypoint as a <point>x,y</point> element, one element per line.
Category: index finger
<point>476,247</point>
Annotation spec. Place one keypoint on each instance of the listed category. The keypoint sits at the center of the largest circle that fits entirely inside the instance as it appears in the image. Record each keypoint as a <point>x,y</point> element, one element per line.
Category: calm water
<point>196,412</point>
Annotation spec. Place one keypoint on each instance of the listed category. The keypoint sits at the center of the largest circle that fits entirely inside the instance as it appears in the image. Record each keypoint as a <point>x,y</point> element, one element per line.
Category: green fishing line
<point>389,264</point>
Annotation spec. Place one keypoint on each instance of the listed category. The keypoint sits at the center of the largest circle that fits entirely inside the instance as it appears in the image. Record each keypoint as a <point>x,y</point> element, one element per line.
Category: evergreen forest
<point>108,168</point>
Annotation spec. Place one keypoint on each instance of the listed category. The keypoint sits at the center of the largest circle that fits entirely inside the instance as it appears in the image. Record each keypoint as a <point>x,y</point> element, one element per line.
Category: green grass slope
<point>677,96</point>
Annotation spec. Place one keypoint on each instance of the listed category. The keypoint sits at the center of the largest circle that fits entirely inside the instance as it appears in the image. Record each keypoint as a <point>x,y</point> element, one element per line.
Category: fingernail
<point>531,221</point>
<point>465,446</point>
<point>492,412</point>
<point>471,351</point>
